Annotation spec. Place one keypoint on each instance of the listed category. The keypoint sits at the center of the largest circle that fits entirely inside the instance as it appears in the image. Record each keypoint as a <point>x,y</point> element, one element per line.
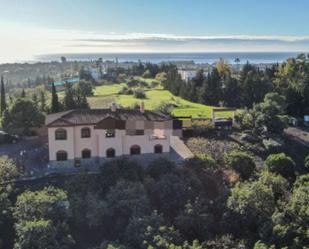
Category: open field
<point>105,95</point>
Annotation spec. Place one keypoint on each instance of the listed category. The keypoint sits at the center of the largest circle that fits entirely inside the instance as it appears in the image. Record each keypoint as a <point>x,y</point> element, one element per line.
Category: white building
<point>80,137</point>
<point>187,74</point>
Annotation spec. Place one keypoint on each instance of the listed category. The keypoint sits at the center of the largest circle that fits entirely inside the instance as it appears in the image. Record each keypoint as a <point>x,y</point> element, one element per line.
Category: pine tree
<point>3,102</point>
<point>54,101</point>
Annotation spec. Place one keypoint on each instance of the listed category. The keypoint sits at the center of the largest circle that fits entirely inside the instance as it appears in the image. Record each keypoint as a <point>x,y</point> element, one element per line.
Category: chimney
<point>113,107</point>
<point>142,107</point>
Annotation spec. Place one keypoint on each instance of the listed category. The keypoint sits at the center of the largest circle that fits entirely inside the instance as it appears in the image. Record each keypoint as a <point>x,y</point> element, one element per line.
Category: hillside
<point>104,95</point>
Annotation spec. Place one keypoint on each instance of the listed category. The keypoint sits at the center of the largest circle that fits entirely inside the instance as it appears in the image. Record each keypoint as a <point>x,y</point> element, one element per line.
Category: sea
<point>198,58</point>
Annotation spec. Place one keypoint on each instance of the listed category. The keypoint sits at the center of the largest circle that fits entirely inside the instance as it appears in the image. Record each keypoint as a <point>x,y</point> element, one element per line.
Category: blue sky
<point>34,27</point>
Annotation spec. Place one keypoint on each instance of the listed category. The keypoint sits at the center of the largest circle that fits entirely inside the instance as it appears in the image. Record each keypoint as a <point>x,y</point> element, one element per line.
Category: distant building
<point>83,137</point>
<point>187,75</point>
<point>59,85</point>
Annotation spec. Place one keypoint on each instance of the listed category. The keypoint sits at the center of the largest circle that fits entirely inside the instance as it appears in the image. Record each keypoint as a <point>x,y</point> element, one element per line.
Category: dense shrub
<point>126,91</point>
<point>139,94</point>
<point>160,167</point>
<point>306,163</point>
<point>241,162</point>
<point>201,161</point>
<point>280,164</point>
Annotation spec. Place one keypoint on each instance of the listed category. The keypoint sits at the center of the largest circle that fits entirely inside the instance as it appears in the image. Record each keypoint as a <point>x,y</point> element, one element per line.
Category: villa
<point>83,137</point>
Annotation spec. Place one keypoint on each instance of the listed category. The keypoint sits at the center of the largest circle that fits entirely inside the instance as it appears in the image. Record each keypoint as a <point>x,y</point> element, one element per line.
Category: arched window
<point>158,149</point>
<point>86,153</point>
<point>85,132</point>
<point>60,134</point>
<point>62,155</point>
<point>110,153</point>
<point>135,150</point>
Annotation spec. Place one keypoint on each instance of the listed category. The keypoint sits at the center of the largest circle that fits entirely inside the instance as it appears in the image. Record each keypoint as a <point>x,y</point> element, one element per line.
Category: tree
<point>2,96</point>
<point>41,217</point>
<point>280,164</point>
<point>42,101</point>
<point>268,114</point>
<point>36,234</point>
<point>306,163</point>
<point>290,224</point>
<point>241,162</point>
<point>21,116</point>
<point>86,88</point>
<point>252,205</point>
<point>54,101</point>
<point>68,100</point>
<point>195,221</point>
<point>23,93</point>
<point>123,202</point>
<point>8,170</point>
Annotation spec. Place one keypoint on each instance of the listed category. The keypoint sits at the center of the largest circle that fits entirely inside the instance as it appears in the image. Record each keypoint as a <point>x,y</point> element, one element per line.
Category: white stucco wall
<point>98,143</point>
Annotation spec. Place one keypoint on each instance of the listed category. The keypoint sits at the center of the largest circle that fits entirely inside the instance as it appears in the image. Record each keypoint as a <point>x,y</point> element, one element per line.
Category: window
<point>110,153</point>
<point>62,155</point>
<point>158,149</point>
<point>86,153</point>
<point>135,132</point>
<point>139,132</point>
<point>85,132</point>
<point>110,133</point>
<point>60,134</point>
<point>135,150</point>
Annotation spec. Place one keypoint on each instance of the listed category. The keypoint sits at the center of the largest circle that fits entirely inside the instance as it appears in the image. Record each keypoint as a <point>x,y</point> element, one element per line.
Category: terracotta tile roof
<point>93,116</point>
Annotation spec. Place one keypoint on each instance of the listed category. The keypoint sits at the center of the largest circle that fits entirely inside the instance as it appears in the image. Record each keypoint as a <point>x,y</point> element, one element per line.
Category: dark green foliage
<point>139,94</point>
<point>115,170</point>
<point>54,100</point>
<point>74,98</point>
<point>41,220</point>
<point>160,167</point>
<point>281,164</point>
<point>241,162</point>
<point>21,116</point>
<point>36,234</point>
<point>195,221</point>
<point>290,227</point>
<point>86,88</point>
<point>140,229</point>
<point>306,163</point>
<point>224,242</point>
<point>2,97</point>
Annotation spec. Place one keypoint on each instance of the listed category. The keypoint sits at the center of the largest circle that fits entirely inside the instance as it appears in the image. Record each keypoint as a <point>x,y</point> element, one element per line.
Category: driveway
<point>30,155</point>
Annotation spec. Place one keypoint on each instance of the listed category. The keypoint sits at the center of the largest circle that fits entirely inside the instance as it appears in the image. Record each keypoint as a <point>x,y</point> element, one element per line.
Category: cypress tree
<point>69,102</point>
<point>3,102</point>
<point>54,101</point>
<point>23,93</point>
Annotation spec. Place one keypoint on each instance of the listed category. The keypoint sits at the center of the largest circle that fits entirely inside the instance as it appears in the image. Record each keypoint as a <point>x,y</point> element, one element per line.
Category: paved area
<point>180,149</point>
<point>30,155</point>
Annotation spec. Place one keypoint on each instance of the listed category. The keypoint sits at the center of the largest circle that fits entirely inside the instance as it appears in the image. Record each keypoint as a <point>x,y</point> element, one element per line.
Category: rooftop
<point>93,116</point>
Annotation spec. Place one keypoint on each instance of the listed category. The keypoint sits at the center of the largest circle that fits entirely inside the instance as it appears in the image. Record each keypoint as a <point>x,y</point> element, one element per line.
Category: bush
<point>139,94</point>
<point>306,163</point>
<point>201,161</point>
<point>160,167</point>
<point>126,91</point>
<point>280,164</point>
<point>241,162</point>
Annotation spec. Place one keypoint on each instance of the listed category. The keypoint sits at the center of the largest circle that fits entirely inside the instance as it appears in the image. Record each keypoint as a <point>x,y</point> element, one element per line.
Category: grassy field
<point>105,95</point>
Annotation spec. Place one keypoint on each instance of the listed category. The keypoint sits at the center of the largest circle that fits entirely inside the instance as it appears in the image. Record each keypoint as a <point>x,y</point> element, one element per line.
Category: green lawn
<point>105,95</point>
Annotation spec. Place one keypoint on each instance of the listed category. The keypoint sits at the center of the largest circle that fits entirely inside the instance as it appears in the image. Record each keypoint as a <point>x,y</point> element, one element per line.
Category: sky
<point>29,28</point>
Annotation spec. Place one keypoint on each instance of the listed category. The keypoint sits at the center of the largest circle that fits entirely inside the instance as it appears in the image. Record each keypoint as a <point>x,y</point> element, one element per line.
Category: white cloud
<point>19,43</point>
